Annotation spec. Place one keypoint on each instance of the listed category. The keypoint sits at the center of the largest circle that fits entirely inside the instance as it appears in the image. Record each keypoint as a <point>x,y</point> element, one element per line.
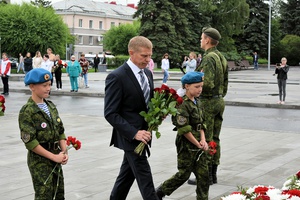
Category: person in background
<point>199,58</point>
<point>103,60</point>
<point>150,66</point>
<point>190,62</point>
<point>37,60</point>
<point>42,132</point>
<point>27,63</point>
<point>96,62</point>
<point>124,100</point>
<point>255,60</point>
<point>73,71</point>
<point>84,63</point>
<point>215,85</point>
<point>46,63</point>
<point>21,63</point>
<point>190,140</point>
<point>281,71</point>
<point>5,68</point>
<point>58,65</point>
<point>165,65</point>
<point>52,59</point>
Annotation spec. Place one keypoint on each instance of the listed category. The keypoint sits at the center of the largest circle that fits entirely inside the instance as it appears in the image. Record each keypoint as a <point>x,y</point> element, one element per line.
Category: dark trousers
<point>5,84</point>
<point>134,167</point>
<point>52,73</point>
<point>281,86</point>
<point>58,80</point>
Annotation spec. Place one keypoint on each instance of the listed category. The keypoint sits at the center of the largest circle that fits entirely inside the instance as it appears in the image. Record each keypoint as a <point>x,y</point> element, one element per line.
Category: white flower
<point>234,197</point>
<point>294,198</point>
<point>287,184</point>
<point>275,194</point>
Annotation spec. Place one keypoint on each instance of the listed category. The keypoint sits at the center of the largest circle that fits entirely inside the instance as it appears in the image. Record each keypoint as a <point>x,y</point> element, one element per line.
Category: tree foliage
<point>290,49</point>
<point>290,17</point>
<point>175,26</point>
<point>26,28</point>
<point>255,35</point>
<point>117,38</point>
<point>41,3</point>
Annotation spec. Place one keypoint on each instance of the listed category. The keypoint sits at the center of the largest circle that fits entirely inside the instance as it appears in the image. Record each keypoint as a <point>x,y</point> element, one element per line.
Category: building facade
<point>89,20</point>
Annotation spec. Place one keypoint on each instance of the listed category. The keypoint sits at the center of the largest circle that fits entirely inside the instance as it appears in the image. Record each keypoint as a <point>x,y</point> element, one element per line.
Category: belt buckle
<point>55,145</point>
<point>198,127</point>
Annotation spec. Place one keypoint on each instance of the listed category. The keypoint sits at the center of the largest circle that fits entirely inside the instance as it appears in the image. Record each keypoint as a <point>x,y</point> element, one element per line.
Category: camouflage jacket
<point>215,68</point>
<point>37,127</point>
<point>189,118</point>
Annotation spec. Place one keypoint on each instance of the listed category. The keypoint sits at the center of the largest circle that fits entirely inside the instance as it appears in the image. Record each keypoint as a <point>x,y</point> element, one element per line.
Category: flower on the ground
<point>163,103</point>
<point>71,142</point>
<point>289,191</point>
<point>2,106</point>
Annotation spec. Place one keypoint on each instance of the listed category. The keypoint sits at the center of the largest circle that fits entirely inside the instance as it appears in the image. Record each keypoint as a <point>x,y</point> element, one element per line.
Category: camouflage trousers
<point>40,168</point>
<point>187,163</point>
<point>213,110</point>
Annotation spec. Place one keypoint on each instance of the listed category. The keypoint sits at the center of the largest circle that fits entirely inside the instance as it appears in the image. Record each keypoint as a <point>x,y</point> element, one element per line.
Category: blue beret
<point>192,77</point>
<point>37,75</point>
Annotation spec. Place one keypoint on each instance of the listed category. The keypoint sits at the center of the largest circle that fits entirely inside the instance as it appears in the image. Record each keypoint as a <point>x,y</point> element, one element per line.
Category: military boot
<point>214,173</point>
<point>192,181</point>
<point>210,175</point>
<point>159,193</point>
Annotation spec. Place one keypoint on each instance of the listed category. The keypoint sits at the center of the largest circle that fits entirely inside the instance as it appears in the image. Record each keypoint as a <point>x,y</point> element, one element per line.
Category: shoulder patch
<point>25,137</point>
<point>181,120</point>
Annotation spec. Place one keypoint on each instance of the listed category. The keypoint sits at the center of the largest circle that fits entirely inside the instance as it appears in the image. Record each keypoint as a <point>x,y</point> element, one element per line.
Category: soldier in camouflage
<point>190,140</point>
<point>42,132</point>
<point>215,67</point>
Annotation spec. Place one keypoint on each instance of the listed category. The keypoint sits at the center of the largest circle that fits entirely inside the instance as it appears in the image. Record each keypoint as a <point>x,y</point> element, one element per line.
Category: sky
<point>123,2</point>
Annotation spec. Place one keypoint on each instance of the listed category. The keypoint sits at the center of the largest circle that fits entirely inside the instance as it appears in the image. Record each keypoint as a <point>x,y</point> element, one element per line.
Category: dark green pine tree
<point>290,17</point>
<point>255,36</point>
<point>173,26</point>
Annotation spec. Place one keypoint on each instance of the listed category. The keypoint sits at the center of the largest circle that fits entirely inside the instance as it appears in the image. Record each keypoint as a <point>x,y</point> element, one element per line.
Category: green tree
<point>117,38</point>
<point>255,35</point>
<point>290,49</point>
<point>32,29</point>
<point>290,17</point>
<point>41,3</point>
<point>175,26</point>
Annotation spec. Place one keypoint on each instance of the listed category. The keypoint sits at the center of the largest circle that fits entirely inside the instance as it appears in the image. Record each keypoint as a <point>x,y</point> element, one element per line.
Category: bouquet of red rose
<point>71,142</point>
<point>163,103</point>
<point>2,106</point>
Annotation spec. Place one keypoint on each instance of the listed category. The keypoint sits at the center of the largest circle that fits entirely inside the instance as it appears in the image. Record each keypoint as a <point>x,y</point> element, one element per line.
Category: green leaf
<point>157,134</point>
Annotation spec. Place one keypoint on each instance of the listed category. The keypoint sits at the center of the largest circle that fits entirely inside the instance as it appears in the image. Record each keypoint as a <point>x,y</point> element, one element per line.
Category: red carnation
<point>261,190</point>
<point>60,62</point>
<point>294,192</point>
<point>212,144</point>
<point>77,145</point>
<point>3,107</point>
<point>2,99</point>
<point>298,175</point>
<point>263,197</point>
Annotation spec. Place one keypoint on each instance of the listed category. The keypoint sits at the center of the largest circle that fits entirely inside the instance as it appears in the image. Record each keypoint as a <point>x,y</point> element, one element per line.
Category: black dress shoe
<point>192,181</point>
<point>71,90</point>
<point>6,93</point>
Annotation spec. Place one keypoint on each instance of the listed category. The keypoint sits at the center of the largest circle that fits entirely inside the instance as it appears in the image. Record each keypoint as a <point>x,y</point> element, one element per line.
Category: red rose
<point>173,92</point>
<point>2,99</point>
<point>3,107</point>
<point>165,88</point>
<point>179,100</point>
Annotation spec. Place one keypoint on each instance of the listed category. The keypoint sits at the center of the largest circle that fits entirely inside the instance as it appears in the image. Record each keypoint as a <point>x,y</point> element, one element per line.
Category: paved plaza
<point>249,156</point>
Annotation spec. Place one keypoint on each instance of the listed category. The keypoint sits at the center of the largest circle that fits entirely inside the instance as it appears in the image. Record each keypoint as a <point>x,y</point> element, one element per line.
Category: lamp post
<point>269,39</point>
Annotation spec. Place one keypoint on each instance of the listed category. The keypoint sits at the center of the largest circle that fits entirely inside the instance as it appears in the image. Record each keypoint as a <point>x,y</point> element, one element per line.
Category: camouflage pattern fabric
<point>187,153</point>
<point>37,127</point>
<point>215,68</point>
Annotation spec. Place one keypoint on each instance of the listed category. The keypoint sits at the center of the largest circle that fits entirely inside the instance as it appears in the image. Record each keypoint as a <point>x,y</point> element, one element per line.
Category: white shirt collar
<point>135,69</point>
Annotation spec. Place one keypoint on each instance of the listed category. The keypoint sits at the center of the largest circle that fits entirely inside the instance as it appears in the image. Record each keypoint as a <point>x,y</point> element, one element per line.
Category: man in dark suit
<point>255,60</point>
<point>124,100</point>
<point>96,62</point>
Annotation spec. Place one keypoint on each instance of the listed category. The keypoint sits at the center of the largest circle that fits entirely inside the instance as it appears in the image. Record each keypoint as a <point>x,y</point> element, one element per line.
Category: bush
<point>117,61</point>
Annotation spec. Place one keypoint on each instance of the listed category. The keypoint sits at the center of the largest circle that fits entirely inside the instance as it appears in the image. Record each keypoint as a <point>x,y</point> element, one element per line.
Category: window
<point>112,24</point>
<point>100,25</point>
<point>80,39</point>
<point>91,23</point>
<point>91,39</point>
<point>80,23</point>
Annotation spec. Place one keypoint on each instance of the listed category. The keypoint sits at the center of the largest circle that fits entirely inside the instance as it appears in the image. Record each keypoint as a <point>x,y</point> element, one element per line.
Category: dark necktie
<point>145,87</point>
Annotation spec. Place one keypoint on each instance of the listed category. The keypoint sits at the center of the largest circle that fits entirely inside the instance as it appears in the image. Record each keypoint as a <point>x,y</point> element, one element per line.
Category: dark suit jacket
<point>124,100</point>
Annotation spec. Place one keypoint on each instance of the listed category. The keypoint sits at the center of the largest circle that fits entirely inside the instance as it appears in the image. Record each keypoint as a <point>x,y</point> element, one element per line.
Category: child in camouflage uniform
<point>190,140</point>
<point>42,132</point>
